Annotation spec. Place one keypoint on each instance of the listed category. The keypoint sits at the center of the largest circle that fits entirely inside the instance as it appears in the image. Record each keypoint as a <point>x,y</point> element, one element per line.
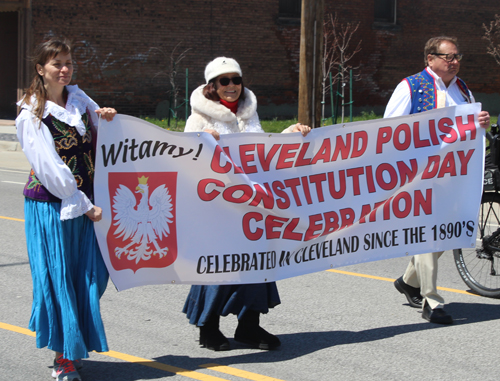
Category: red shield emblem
<point>143,230</point>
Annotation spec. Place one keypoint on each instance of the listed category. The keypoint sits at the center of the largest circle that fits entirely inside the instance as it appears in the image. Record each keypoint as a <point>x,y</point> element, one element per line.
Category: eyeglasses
<point>449,57</point>
<point>224,81</point>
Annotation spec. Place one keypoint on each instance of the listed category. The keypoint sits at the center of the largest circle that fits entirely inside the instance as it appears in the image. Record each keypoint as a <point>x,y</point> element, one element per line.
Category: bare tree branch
<point>337,54</point>
<point>492,35</point>
<point>172,74</point>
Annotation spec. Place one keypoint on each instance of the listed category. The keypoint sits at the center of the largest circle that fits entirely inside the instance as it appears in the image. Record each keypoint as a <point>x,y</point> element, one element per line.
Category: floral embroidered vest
<point>75,151</point>
<point>423,91</point>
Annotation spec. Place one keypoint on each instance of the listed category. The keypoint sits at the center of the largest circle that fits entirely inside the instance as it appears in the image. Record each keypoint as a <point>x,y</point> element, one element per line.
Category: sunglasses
<point>449,57</point>
<point>224,81</point>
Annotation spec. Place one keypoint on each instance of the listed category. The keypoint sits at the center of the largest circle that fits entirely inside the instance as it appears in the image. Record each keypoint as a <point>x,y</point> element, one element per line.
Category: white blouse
<point>39,147</point>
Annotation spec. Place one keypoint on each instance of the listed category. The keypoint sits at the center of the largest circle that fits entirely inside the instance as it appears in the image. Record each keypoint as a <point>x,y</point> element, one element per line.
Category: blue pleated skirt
<point>69,278</point>
<point>203,301</point>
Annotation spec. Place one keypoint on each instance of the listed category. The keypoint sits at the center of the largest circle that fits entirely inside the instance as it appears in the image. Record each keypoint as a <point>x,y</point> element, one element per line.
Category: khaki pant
<point>422,273</point>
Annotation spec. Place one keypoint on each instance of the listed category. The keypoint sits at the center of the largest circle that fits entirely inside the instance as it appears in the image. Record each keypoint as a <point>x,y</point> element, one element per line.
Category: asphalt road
<point>344,324</point>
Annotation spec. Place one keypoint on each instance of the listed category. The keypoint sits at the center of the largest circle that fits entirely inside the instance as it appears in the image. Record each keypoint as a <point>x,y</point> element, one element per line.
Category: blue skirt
<point>203,301</point>
<point>69,278</point>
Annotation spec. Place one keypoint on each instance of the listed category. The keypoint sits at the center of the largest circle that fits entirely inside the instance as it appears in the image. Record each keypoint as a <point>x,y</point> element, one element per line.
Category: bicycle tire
<point>482,274</point>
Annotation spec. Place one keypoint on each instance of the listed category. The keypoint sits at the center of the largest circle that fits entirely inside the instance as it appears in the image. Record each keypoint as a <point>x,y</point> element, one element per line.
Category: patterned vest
<point>75,151</point>
<point>423,91</point>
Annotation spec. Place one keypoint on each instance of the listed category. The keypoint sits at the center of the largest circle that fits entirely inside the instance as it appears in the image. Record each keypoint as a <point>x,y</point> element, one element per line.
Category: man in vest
<point>435,87</point>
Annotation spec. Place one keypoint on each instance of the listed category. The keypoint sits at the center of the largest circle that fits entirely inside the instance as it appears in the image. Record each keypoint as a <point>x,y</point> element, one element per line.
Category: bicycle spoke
<point>478,267</point>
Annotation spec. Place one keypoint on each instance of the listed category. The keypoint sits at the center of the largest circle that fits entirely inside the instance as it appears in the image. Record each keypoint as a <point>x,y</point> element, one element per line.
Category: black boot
<point>211,337</point>
<point>249,332</point>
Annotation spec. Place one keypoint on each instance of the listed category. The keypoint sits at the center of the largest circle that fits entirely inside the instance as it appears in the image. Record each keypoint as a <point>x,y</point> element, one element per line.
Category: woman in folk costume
<point>223,106</point>
<point>69,275</point>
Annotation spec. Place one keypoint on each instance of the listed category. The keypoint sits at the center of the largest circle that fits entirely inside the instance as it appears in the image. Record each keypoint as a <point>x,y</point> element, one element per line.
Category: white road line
<point>10,170</point>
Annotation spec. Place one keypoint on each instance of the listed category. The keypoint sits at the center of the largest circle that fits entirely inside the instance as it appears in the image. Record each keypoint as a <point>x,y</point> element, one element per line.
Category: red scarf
<point>233,106</point>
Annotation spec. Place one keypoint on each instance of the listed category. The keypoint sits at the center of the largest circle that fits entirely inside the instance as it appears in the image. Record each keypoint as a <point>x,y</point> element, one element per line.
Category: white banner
<point>251,208</point>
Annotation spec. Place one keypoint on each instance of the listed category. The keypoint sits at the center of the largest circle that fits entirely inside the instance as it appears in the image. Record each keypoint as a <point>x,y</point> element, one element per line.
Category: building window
<point>385,11</point>
<point>290,8</point>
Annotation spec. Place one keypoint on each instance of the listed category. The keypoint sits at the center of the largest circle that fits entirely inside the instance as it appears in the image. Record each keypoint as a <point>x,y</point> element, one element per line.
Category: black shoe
<point>436,315</point>
<point>411,293</point>
<point>257,337</point>
<point>249,332</point>
<point>211,337</point>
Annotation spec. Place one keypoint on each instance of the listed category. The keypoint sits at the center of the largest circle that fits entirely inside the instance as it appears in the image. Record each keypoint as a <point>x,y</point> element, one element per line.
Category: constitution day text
<point>183,208</point>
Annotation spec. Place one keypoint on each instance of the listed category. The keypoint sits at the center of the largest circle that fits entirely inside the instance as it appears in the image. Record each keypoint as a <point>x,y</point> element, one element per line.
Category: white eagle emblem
<point>146,224</point>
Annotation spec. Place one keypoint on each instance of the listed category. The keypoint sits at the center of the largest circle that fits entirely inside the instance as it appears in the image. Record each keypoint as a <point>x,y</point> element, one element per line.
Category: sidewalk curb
<point>7,122</point>
<point>10,146</point>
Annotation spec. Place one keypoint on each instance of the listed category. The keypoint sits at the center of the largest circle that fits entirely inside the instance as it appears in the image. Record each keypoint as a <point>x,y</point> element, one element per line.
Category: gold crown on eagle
<point>143,180</point>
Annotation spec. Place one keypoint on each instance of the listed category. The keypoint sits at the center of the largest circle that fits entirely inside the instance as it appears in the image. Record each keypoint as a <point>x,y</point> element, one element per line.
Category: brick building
<point>123,49</point>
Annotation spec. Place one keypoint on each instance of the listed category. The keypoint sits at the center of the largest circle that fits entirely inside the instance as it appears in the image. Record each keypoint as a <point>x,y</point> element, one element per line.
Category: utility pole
<point>311,56</point>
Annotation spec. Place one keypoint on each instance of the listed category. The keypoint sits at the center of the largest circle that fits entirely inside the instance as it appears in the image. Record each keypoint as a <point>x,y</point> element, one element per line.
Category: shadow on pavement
<point>294,345</point>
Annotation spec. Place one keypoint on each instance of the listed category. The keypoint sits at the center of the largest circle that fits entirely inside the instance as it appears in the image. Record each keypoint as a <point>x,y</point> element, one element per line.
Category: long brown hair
<point>44,52</point>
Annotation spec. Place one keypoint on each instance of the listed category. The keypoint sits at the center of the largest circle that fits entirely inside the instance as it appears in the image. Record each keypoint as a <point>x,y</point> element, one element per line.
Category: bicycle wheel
<point>478,266</point>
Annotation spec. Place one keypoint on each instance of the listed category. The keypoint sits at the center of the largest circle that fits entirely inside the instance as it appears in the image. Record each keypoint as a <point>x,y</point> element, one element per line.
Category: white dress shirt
<point>400,102</point>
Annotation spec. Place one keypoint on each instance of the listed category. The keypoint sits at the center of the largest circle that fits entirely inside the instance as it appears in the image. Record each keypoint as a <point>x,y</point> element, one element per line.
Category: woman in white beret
<point>223,106</point>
